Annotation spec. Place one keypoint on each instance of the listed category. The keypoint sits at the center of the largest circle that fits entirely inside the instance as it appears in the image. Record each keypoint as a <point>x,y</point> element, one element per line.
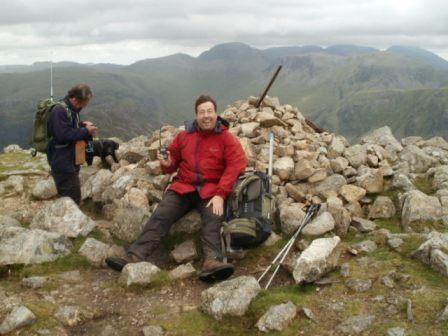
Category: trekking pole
<point>289,243</point>
<point>312,211</point>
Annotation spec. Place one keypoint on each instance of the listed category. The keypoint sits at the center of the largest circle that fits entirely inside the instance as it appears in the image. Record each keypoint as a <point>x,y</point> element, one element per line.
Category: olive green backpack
<point>41,138</point>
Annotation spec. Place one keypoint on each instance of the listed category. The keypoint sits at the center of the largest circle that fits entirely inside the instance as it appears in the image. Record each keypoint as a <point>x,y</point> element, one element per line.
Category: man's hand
<point>91,128</point>
<point>87,123</point>
<point>218,205</point>
<point>164,162</point>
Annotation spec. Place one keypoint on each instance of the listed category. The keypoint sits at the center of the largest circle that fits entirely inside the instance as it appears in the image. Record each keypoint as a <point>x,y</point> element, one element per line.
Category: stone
<point>95,251</point>
<point>128,222</point>
<point>356,155</point>
<point>345,270</point>
<point>418,207</point>
<point>12,149</point>
<point>339,164</point>
<point>96,185</point>
<point>20,317</point>
<point>185,252</point>
<point>153,167</point>
<point>337,147</point>
<point>44,189</point>
<point>34,282</point>
<point>268,120</point>
<point>431,252</point>
<point>352,193</point>
<point>322,224</point>
<point>359,285</point>
<point>182,272</point>
<point>69,316</point>
<point>141,273</point>
<point>6,221</point>
<point>367,246</point>
<point>395,242</point>
<point>291,216</point>
<point>295,192</point>
<point>318,259</point>
<point>283,167</point>
<point>397,331</point>
<point>371,180</point>
<point>153,331</point>
<point>249,129</point>
<point>137,198</point>
<point>22,246</point>
<point>401,181</point>
<point>64,217</point>
<point>272,239</point>
<point>382,207</point>
<point>318,175</point>
<point>230,297</point>
<point>388,281</point>
<point>363,225</point>
<point>417,160</point>
<point>277,317</point>
<point>355,325</point>
<point>330,186</point>
<point>382,136</point>
<point>303,169</point>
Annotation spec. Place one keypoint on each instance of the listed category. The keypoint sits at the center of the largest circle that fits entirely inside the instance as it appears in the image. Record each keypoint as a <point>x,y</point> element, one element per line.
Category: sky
<point>125,31</point>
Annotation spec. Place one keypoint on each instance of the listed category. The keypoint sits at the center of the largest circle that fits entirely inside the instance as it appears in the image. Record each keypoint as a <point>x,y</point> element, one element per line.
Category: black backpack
<point>248,219</point>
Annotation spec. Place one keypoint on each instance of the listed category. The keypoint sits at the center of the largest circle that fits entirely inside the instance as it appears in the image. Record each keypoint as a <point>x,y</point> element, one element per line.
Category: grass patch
<point>424,185</point>
<point>44,311</point>
<point>426,226</point>
<point>392,224</point>
<point>410,244</point>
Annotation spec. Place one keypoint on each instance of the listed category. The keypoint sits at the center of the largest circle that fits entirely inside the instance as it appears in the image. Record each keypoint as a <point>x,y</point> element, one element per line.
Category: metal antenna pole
<point>51,79</point>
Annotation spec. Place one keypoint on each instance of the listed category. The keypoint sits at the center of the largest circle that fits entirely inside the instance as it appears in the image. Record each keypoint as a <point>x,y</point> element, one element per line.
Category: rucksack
<point>248,219</point>
<point>41,138</point>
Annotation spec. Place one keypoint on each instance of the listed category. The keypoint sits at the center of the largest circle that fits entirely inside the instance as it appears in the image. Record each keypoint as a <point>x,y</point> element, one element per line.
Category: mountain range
<point>345,89</point>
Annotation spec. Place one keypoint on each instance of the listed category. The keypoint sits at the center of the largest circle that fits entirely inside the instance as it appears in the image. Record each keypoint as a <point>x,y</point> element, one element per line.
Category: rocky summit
<point>374,260</point>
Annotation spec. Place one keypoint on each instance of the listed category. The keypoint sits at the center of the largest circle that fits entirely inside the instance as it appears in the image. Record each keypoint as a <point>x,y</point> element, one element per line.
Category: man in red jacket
<point>208,160</point>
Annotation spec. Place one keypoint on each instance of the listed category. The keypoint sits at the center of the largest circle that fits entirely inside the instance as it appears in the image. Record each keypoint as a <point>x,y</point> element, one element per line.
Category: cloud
<point>125,31</point>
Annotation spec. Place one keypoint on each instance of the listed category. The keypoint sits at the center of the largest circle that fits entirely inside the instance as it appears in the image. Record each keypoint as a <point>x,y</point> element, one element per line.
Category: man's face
<point>206,116</point>
<point>79,103</point>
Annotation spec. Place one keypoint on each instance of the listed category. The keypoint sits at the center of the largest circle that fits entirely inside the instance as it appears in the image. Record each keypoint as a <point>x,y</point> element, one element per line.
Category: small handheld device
<point>162,149</point>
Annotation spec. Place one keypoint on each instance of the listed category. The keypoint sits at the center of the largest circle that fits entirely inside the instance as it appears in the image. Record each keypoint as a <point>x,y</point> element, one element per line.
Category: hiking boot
<point>215,270</point>
<point>117,263</point>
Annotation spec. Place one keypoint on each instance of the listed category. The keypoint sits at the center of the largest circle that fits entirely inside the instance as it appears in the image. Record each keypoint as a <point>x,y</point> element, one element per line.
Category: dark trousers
<point>67,184</point>
<point>172,207</point>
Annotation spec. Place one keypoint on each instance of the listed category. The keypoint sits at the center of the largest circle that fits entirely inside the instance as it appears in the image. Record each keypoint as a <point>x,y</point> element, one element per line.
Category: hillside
<point>325,83</point>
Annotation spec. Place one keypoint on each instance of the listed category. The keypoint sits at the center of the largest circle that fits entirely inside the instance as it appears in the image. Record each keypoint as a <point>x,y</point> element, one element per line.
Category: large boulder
<point>18,318</point>
<point>283,167</point>
<point>318,259</point>
<point>418,207</point>
<point>417,159</point>
<point>22,246</point>
<point>383,136</point>
<point>44,189</point>
<point>383,207</point>
<point>433,252</point>
<point>63,216</point>
<point>96,184</point>
<point>291,217</point>
<point>128,222</point>
<point>231,297</point>
<point>330,186</point>
<point>322,224</point>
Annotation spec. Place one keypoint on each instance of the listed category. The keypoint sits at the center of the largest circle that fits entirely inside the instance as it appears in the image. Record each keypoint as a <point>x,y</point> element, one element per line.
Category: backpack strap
<point>69,117</point>
<point>237,193</point>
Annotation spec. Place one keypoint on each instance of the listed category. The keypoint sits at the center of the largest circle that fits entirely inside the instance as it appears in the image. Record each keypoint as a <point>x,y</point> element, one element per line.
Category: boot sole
<point>218,274</point>
<point>117,264</point>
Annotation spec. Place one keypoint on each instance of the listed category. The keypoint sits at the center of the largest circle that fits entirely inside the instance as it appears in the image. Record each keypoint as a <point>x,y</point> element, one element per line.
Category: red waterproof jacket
<point>209,162</point>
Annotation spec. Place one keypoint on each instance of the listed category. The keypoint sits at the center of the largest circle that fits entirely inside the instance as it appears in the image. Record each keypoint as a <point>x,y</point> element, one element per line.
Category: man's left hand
<point>218,205</point>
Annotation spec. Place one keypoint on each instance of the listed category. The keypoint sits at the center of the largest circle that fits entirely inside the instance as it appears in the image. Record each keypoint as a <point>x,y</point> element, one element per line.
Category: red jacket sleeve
<point>175,150</point>
<point>236,163</point>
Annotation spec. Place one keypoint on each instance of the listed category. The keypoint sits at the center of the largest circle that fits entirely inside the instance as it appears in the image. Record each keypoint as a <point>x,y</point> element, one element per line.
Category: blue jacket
<point>64,133</point>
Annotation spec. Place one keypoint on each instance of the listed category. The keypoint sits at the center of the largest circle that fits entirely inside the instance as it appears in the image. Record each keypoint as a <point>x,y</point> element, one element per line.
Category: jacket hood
<point>70,106</point>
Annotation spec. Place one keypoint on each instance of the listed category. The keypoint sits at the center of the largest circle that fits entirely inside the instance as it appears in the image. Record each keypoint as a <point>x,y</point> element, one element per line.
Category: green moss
<point>425,226</point>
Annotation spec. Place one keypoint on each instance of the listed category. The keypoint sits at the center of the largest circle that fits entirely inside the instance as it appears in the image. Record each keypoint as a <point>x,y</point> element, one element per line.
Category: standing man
<point>208,160</point>
<point>65,129</point>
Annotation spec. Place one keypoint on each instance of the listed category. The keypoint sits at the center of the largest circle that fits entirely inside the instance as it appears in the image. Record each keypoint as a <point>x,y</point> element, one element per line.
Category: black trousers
<point>172,207</point>
<point>67,184</point>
